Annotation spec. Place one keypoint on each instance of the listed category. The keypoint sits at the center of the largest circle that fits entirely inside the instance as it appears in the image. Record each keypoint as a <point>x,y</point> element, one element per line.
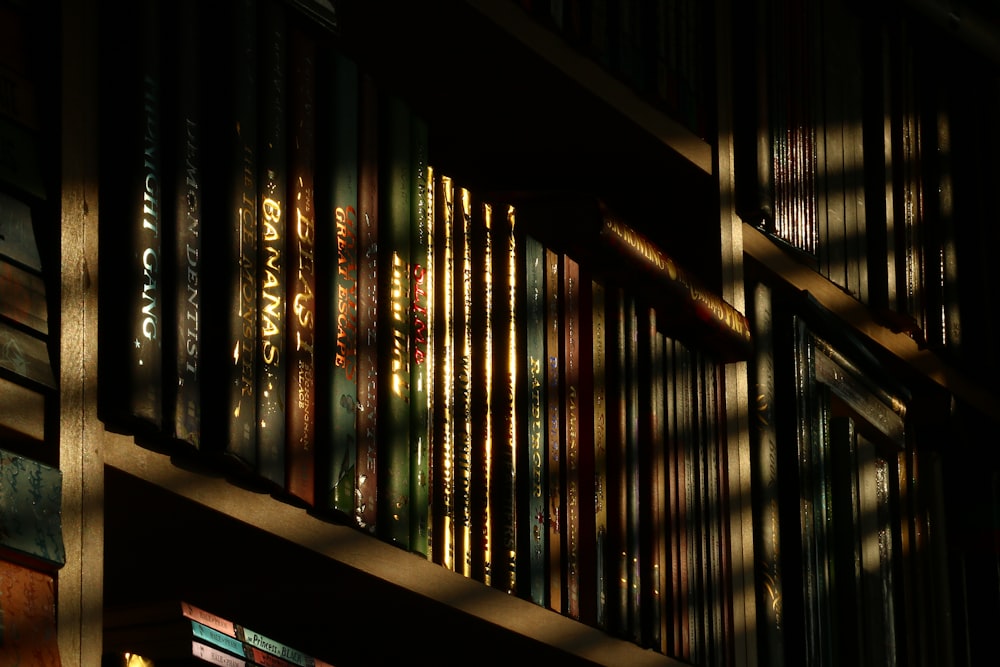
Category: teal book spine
<point>536,385</point>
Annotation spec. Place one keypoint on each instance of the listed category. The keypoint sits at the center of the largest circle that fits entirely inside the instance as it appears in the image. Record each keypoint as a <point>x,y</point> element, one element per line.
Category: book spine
<point>300,403</point>
<point>443,491</point>
<point>187,213</point>
<point>29,616</point>
<point>214,656</point>
<point>271,244</point>
<point>571,430</point>
<point>145,301</point>
<point>343,406</point>
<point>603,556</point>
<point>366,479</point>
<point>505,381</point>
<point>537,385</point>
<point>553,435</point>
<point>239,440</point>
<point>462,305</point>
<point>208,635</point>
<point>394,322</point>
<point>632,468</point>
<point>22,297</point>
<point>481,390</point>
<point>422,322</point>
<point>256,640</point>
<point>208,619</point>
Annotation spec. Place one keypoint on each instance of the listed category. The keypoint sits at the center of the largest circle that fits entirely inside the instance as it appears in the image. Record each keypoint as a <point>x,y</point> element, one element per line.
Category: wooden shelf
<point>289,555</point>
<point>858,317</point>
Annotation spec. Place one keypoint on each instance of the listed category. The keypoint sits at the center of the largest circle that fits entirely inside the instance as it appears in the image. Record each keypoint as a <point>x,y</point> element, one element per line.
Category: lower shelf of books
<point>174,535</point>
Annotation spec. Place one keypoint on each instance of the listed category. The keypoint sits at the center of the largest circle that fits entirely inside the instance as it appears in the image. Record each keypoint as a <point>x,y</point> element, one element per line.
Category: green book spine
<point>366,479</point>
<point>506,254</point>
<point>271,240</point>
<point>394,321</point>
<point>188,124</point>
<point>145,298</point>
<point>536,385</point>
<point>215,638</point>
<point>421,361</point>
<point>300,403</point>
<point>344,188</point>
<point>462,305</point>
<point>239,439</point>
<point>553,436</point>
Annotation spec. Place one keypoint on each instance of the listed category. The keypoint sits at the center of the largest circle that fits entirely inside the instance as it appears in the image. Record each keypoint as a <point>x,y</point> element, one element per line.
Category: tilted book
<point>28,633</point>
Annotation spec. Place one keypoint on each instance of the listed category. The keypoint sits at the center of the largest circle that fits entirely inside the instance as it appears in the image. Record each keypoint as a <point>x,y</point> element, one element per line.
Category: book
<point>536,385</point>
<point>481,330</point>
<point>26,356</point>
<point>30,512</point>
<point>22,298</point>
<point>27,616</point>
<point>299,464</point>
<point>571,431</point>
<point>273,354</point>
<point>596,236</point>
<point>422,316</point>
<point>616,498</point>
<point>342,151</point>
<point>395,199</point>
<point>462,377</point>
<point>366,479</point>
<point>507,253</point>
<point>554,450</point>
<point>186,127</point>
<point>17,233</point>
<point>443,401</point>
<point>601,386</point>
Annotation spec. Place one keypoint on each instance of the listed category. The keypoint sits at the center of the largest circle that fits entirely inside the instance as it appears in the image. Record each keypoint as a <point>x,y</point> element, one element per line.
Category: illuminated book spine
<point>632,467</point>
<point>145,280</point>
<point>481,391</point>
<point>553,436</point>
<point>366,480</point>
<point>506,253</point>
<point>300,402</point>
<point>394,322</point>
<point>536,417</point>
<point>462,305</point>
<point>187,214</point>
<point>421,358</point>
<point>214,656</point>
<point>271,240</point>
<point>442,490</point>
<point>616,493</point>
<point>343,409</point>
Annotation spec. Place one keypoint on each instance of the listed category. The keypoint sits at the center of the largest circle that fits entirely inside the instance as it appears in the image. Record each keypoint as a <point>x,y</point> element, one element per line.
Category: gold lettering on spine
<point>347,292</point>
<point>448,373</point>
<point>463,438</point>
<point>271,287</point>
<point>488,372</point>
<point>193,220</point>
<point>150,214</point>
<point>398,296</point>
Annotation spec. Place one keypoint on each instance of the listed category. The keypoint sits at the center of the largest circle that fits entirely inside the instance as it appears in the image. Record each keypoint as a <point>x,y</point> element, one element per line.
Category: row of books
<point>26,374</point>
<point>459,372</point>
<point>175,633</point>
<point>657,48</point>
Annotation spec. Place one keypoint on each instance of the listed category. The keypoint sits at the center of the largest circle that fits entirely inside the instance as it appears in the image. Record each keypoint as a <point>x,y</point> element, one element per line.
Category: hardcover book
<point>462,306</point>
<point>187,123</point>
<point>28,633</point>
<point>272,352</point>
<point>554,515</point>
<point>366,479</point>
<point>343,329</point>
<point>481,390</point>
<point>30,512</point>
<point>299,464</point>
<point>395,184</point>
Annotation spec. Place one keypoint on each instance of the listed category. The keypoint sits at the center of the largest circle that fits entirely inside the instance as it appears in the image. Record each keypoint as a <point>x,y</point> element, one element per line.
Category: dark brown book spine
<point>554,433</point>
<point>300,403</point>
<point>366,481</point>
<point>571,430</point>
<point>601,384</point>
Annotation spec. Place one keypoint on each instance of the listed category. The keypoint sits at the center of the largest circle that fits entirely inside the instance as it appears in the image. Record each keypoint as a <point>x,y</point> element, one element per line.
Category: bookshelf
<point>512,106</point>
